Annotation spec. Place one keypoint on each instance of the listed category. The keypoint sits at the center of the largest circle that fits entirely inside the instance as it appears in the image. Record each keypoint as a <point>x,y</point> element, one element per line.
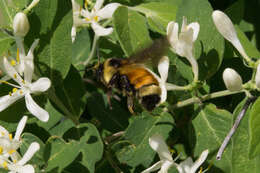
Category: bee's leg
<point>109,95</point>
<point>130,103</point>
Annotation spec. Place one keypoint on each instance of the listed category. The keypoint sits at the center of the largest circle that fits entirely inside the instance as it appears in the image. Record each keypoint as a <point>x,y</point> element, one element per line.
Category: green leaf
<point>137,135</point>
<point>5,42</point>
<point>131,30</point>
<point>240,160</point>
<point>8,13</point>
<point>158,14</point>
<point>254,130</point>
<point>211,126</point>
<point>209,47</point>
<point>59,153</point>
<point>91,146</point>
<point>250,49</point>
<point>73,99</point>
<point>81,49</point>
<point>52,24</point>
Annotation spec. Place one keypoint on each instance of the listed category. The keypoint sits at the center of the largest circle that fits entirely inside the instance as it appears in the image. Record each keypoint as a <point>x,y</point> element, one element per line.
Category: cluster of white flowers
<point>166,161</point>
<point>226,28</point>
<point>21,71</point>
<point>10,159</point>
<point>83,17</point>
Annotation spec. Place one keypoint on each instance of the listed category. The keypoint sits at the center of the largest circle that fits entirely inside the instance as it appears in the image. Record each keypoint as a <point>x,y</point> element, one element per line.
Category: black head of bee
<point>115,62</point>
<point>98,70</point>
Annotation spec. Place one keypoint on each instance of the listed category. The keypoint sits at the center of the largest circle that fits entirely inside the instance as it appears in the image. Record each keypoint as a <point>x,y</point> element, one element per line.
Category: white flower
<point>96,15</point>
<point>226,28</point>
<point>232,80</point>
<point>8,144</point>
<point>188,166</point>
<point>257,76</point>
<point>166,162</point>
<point>20,166</point>
<point>182,43</point>
<point>25,88</point>
<point>21,24</point>
<point>157,144</point>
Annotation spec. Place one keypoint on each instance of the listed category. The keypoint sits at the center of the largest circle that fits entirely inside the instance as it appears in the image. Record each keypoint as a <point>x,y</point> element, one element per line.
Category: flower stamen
<point>18,56</point>
<point>96,18</point>
<point>4,165</point>
<point>10,136</point>
<point>1,150</point>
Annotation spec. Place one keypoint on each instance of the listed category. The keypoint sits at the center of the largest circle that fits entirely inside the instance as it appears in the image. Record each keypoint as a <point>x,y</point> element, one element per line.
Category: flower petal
<point>3,132</point>
<point>101,31</point>
<point>232,80</point>
<point>185,166</point>
<point>75,6</point>
<point>35,109</point>
<point>73,33</point>
<point>6,101</point>
<point>107,11</point>
<point>196,28</point>
<point>27,169</point>
<point>184,24</point>
<point>163,68</point>
<point>98,5</point>
<point>157,144</point>
<point>166,166</point>
<point>227,30</point>
<point>20,128</point>
<point>257,76</point>
<point>41,85</point>
<point>172,33</point>
<point>154,167</point>
<point>29,64</point>
<point>10,70</point>
<point>199,161</point>
<point>33,148</point>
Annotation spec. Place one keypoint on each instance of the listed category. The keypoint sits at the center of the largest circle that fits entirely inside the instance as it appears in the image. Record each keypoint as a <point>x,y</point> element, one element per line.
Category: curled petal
<point>107,11</point>
<point>154,167</point>
<point>184,24</point>
<point>73,33</point>
<point>227,30</point>
<point>20,128</point>
<point>172,32</point>
<point>98,5</point>
<point>33,148</point>
<point>196,28</point>
<point>157,144</point>
<point>199,161</point>
<point>6,101</point>
<point>163,92</point>
<point>10,70</point>
<point>101,31</point>
<point>3,132</point>
<point>35,109</point>
<point>41,85</point>
<point>163,67</point>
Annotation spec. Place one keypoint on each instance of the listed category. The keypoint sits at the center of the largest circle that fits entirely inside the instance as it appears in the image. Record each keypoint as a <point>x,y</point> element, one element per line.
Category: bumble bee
<point>131,76</point>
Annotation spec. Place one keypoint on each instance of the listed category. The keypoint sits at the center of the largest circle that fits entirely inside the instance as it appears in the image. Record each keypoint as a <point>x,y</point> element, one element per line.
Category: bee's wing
<point>152,53</point>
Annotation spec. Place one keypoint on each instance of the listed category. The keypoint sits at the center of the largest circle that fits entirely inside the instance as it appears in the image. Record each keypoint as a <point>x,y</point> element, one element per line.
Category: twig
<point>113,137</point>
<point>233,129</point>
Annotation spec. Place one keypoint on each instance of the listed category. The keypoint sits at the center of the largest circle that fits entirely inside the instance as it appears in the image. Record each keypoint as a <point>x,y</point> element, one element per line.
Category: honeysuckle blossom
<point>232,80</point>
<point>8,144</point>
<point>21,25</point>
<point>25,87</point>
<point>226,28</point>
<point>182,43</point>
<point>166,161</point>
<point>92,17</point>
<point>20,166</point>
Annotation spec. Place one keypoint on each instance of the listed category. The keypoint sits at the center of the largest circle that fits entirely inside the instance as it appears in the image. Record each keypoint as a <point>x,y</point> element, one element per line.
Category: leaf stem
<point>233,129</point>
<point>52,96</point>
<point>205,97</point>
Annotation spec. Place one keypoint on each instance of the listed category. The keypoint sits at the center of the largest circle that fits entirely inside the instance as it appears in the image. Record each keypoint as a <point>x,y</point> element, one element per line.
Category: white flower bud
<point>257,77</point>
<point>21,24</point>
<point>232,80</point>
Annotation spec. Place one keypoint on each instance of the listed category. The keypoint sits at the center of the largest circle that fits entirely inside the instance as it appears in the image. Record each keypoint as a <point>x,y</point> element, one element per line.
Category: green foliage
<point>91,129</point>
